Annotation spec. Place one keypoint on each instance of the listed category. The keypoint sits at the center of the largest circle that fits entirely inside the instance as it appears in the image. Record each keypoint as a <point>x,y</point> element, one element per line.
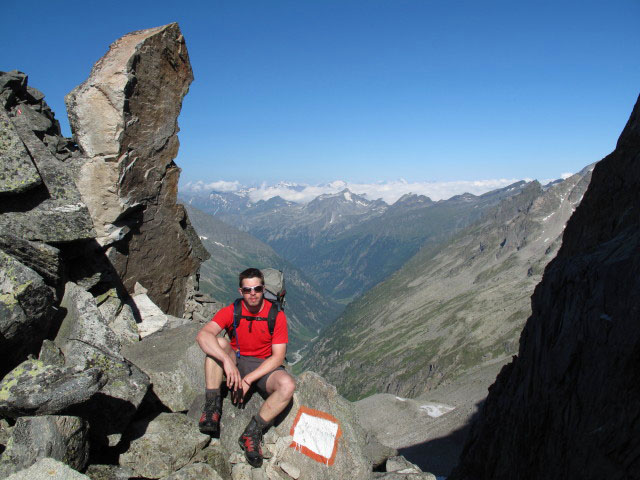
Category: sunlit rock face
<point>124,119</point>
<point>568,406</point>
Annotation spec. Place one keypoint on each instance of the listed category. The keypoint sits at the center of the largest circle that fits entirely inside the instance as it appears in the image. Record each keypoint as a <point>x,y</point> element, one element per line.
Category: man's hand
<point>245,386</point>
<point>237,396</point>
<point>234,380</point>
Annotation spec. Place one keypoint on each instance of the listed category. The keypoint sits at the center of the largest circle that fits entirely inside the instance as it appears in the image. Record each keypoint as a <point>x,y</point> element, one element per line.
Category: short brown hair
<point>250,273</point>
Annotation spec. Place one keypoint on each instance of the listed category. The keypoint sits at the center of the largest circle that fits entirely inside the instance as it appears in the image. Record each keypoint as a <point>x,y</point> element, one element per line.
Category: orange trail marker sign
<point>316,434</point>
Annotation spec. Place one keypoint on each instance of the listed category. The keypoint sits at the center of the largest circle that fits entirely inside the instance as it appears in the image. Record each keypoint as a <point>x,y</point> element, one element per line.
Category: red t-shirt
<point>258,341</point>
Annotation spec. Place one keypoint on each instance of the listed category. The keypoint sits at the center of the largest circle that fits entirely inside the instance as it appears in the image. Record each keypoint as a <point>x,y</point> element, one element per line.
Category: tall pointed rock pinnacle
<point>124,118</point>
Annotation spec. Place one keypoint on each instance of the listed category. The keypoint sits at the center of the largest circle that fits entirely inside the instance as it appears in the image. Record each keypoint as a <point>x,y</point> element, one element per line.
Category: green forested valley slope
<point>453,306</point>
<point>345,242</point>
<point>232,251</point>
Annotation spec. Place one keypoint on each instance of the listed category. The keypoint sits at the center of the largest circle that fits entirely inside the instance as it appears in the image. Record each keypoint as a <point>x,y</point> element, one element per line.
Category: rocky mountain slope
<point>233,250</point>
<point>568,406</point>
<point>452,307</point>
<point>85,226</point>
<point>69,251</point>
<point>345,242</point>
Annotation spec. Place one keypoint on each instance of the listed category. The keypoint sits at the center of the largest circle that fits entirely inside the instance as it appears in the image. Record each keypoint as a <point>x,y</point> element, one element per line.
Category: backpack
<point>274,291</point>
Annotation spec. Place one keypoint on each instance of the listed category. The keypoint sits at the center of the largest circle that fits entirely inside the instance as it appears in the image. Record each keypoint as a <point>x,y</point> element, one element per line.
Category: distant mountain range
<point>456,304</point>
<point>233,250</point>
<point>344,241</point>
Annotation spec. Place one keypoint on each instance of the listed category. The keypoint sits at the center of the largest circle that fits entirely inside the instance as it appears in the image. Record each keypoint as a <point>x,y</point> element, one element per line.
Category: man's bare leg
<point>213,371</point>
<point>280,387</point>
<point>210,419</point>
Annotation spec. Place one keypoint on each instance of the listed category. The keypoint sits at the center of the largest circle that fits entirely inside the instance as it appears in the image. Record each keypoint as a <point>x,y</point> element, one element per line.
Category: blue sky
<point>365,91</point>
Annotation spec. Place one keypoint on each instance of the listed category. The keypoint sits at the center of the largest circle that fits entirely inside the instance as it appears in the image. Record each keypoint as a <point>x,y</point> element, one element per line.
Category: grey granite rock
<point>241,471</point>
<point>114,406</point>
<point>84,332</point>
<point>351,460</point>
<point>62,438</point>
<point>195,471</point>
<point>174,363</point>
<point>312,392</point>
<point>152,318</point>
<point>26,311</point>
<point>13,80</point>
<point>57,213</point>
<point>119,317</point>
<point>216,456</point>
<point>87,341</point>
<point>50,469</point>
<point>5,431</point>
<point>401,465</point>
<point>40,257</point>
<point>50,354</point>
<point>33,388</point>
<point>125,327</point>
<point>155,452</point>
<point>34,95</point>
<point>17,172</point>
<point>109,472</point>
<point>37,122</point>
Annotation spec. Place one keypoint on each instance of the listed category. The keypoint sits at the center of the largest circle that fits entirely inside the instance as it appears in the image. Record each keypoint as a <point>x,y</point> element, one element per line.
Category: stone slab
<point>155,452</point>
<point>17,172</point>
<point>62,438</point>
<point>33,388</point>
<point>174,363</point>
<point>60,215</point>
<point>40,257</point>
<point>26,311</point>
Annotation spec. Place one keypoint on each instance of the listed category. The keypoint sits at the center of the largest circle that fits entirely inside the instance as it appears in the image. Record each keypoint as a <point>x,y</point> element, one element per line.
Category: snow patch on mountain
<point>388,191</point>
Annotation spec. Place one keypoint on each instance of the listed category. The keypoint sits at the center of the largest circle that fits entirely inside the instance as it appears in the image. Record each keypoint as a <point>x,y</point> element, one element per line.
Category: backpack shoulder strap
<point>237,314</point>
<point>271,318</point>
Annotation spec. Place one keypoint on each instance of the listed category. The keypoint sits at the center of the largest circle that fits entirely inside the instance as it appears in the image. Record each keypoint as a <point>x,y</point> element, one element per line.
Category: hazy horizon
<point>432,92</point>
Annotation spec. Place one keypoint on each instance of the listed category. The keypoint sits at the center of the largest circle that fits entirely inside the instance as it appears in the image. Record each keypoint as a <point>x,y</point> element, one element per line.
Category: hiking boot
<point>210,419</point>
<point>251,442</point>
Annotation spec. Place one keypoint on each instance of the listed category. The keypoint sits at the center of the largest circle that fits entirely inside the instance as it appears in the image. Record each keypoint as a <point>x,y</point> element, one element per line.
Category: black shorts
<point>247,365</point>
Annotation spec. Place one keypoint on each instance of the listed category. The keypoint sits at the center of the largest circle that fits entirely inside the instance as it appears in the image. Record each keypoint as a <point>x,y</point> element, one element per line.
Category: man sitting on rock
<point>254,357</point>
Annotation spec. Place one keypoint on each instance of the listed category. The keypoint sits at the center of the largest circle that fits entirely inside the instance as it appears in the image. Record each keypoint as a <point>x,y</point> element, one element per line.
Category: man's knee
<point>286,385</point>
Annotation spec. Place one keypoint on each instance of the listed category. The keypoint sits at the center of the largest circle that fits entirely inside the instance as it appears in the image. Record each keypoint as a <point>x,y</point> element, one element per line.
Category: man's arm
<point>278,352</point>
<point>208,342</point>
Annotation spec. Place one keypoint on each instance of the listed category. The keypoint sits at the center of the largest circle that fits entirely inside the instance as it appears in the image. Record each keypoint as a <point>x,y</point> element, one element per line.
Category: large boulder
<point>162,446</point>
<point>119,316</point>
<point>63,438</point>
<point>174,362</point>
<point>44,259</point>
<point>17,172</point>
<point>84,332</point>
<point>152,318</point>
<point>26,311</point>
<point>35,388</point>
<point>318,435</point>
<point>87,341</point>
<point>351,459</point>
<point>568,406</point>
<point>124,118</point>
<point>56,210</point>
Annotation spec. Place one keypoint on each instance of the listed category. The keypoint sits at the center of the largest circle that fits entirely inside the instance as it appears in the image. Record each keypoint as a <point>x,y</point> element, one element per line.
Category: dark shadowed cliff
<point>568,406</point>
